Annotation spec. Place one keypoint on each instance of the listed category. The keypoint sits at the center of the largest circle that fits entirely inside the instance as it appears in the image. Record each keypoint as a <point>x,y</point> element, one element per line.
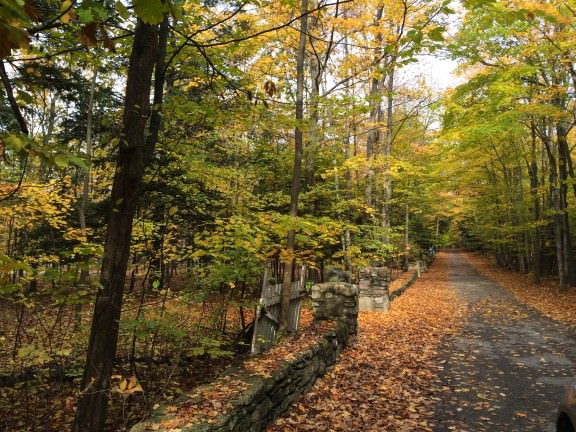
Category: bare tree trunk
<point>350,125</point>
<point>93,401</point>
<point>564,159</point>
<point>406,237</point>
<point>21,123</point>
<point>375,104</point>
<point>45,169</point>
<point>386,152</point>
<point>85,271</point>
<point>314,137</point>
<point>437,235</point>
<point>12,100</point>
<point>559,219</point>
<point>51,121</point>
<point>534,184</point>
<point>296,173</point>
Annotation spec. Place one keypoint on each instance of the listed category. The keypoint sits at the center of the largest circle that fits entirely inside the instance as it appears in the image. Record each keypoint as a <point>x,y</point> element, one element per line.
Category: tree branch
<point>12,100</point>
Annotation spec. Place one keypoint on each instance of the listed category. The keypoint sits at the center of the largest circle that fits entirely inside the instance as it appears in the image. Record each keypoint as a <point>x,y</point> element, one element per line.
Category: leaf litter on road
<point>544,296</point>
<point>388,379</point>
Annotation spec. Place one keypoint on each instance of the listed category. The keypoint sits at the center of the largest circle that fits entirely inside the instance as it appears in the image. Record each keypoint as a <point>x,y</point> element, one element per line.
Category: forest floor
<point>186,348</point>
<point>457,352</point>
<point>468,347</point>
<point>52,368</point>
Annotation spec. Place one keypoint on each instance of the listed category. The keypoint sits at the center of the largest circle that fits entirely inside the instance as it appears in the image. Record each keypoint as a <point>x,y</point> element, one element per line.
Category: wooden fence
<point>268,311</point>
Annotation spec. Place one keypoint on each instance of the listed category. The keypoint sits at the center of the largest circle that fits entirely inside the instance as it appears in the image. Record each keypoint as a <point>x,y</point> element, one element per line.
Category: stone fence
<point>337,301</point>
<point>374,285</point>
<point>374,289</point>
<point>265,398</point>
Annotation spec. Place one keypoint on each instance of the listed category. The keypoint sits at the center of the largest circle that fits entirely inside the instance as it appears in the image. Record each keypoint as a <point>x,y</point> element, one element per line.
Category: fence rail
<point>268,310</point>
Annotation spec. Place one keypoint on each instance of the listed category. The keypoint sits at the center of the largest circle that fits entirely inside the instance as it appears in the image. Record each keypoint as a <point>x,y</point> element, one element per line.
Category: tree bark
<point>386,152</point>
<point>92,404</point>
<point>563,168</point>
<point>534,185</point>
<point>314,137</point>
<point>406,238</point>
<point>85,271</point>
<point>284,325</point>
<point>375,104</point>
<point>559,212</point>
<point>12,100</point>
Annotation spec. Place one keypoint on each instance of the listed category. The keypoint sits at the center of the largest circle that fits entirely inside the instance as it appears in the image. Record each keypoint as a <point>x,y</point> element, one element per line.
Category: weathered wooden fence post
<point>268,310</point>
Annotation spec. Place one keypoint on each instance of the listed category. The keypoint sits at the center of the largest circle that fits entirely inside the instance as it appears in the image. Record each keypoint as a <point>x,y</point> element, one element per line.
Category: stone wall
<point>409,282</point>
<point>374,291</point>
<point>265,398</point>
<point>336,301</point>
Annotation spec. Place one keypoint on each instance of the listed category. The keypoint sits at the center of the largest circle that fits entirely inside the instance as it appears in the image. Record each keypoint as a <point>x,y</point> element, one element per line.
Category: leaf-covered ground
<point>387,380</point>
<point>180,363</point>
<point>544,296</point>
<point>425,366</point>
<point>400,280</point>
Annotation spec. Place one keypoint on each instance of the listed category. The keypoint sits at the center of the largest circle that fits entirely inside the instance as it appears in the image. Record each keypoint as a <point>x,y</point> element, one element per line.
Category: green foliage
<point>32,355</point>
<point>14,18</point>
<point>151,11</point>
<point>236,250</point>
<point>213,207</point>
<point>213,348</point>
<point>57,156</point>
<point>165,327</point>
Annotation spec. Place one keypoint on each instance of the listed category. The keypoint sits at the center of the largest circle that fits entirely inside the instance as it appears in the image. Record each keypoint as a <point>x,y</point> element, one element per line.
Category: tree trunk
<point>564,160</point>
<point>92,404</point>
<point>314,136</point>
<point>406,238</point>
<point>559,219</point>
<point>437,235</point>
<point>85,271</point>
<point>45,169</point>
<point>284,325</point>
<point>12,100</point>
<point>386,152</point>
<point>537,235</point>
<point>375,104</point>
<point>350,129</point>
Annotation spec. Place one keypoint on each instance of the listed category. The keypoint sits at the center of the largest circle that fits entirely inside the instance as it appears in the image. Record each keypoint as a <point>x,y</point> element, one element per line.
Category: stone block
<point>382,303</point>
<point>374,282</point>
<point>337,275</point>
<point>366,304</point>
<point>383,273</point>
<point>337,301</point>
<point>364,284</point>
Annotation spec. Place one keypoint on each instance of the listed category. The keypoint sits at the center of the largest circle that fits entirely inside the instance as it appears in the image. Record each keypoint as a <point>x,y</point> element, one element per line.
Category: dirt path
<point>508,367</point>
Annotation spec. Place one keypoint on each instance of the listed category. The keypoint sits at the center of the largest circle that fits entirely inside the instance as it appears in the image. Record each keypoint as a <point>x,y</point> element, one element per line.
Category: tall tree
<point>286,293</point>
<point>92,405</point>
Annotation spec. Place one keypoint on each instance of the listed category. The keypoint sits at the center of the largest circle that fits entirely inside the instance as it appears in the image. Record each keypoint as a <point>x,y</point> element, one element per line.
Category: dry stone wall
<point>336,301</point>
<point>265,398</point>
<point>374,289</point>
